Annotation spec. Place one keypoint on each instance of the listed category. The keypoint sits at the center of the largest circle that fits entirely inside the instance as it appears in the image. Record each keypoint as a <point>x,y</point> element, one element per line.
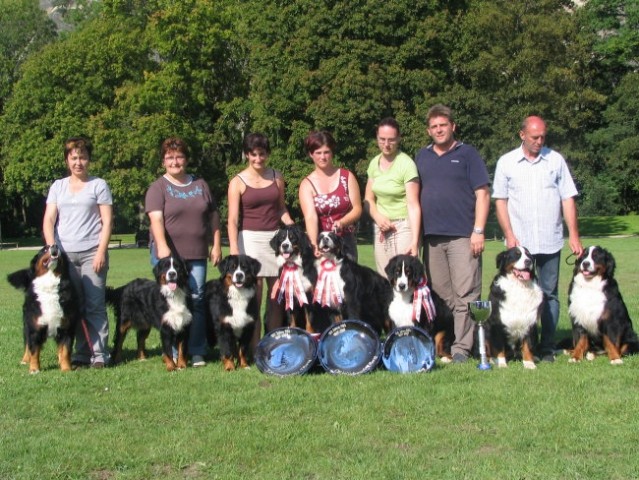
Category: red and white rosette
<point>423,298</point>
<point>327,292</point>
<point>291,286</point>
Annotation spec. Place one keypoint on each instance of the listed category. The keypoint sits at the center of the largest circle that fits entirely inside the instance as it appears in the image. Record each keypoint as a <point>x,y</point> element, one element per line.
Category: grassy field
<point>136,421</point>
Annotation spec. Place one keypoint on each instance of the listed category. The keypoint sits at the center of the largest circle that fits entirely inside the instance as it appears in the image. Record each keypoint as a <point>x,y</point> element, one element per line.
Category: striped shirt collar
<point>543,154</point>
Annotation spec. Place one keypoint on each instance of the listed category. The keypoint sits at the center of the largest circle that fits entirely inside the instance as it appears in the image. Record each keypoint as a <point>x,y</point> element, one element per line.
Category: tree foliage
<point>132,72</point>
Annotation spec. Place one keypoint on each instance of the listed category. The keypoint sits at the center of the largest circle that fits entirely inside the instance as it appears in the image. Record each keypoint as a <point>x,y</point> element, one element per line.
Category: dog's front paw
<point>501,362</point>
<point>590,356</point>
<point>530,365</point>
<point>573,360</point>
<point>616,361</point>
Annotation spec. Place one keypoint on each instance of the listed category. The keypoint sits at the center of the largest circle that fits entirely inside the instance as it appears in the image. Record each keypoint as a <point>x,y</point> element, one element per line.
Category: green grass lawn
<point>136,421</point>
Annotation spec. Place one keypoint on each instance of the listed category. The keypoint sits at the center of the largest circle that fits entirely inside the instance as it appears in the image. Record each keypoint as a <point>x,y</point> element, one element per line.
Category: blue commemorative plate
<point>286,351</point>
<point>408,349</point>
<point>350,347</point>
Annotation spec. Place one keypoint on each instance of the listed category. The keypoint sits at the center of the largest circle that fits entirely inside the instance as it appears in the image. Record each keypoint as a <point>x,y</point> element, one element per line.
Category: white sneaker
<point>198,361</point>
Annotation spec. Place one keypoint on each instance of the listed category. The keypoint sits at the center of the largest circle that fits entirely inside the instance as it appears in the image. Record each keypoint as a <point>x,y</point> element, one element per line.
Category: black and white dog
<point>415,304</point>
<point>597,311</point>
<point>517,301</point>
<point>50,306</point>
<point>164,304</point>
<point>295,259</point>
<point>349,290</point>
<point>233,308</point>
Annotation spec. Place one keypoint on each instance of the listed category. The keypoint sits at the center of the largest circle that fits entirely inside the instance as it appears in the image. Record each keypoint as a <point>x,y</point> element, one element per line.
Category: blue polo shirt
<point>448,184</point>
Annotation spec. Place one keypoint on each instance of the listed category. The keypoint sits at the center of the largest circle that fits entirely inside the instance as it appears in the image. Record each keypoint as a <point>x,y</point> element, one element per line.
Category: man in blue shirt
<point>455,199</point>
<point>532,188</point>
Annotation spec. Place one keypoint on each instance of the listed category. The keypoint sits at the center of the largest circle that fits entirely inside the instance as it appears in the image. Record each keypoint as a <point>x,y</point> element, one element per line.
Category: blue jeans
<point>92,335</point>
<point>548,277</point>
<point>197,283</point>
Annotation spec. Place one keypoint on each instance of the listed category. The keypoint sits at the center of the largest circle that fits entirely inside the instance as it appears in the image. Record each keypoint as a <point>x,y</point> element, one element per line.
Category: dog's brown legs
<point>580,349</point>
<point>181,355</point>
<point>168,361</point>
<point>527,355</point>
<point>27,356</point>
<point>34,360</point>
<point>64,357</point>
<point>613,351</point>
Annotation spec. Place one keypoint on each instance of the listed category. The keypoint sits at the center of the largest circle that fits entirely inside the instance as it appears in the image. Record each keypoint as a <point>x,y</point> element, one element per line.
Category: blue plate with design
<point>409,350</point>
<point>286,351</point>
<point>350,347</point>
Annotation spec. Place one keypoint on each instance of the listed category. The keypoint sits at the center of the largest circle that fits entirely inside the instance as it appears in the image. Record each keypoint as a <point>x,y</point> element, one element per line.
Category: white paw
<point>34,372</point>
<point>501,363</point>
<point>617,361</point>
<point>529,365</point>
<point>446,360</point>
<point>590,356</point>
<point>572,360</point>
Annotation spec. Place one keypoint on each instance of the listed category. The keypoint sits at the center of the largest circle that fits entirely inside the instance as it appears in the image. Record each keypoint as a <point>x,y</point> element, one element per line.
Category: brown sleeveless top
<point>260,207</point>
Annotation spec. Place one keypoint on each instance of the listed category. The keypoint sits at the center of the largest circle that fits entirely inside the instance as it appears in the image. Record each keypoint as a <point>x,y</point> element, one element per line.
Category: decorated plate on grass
<point>350,347</point>
<point>409,349</point>
<point>286,351</point>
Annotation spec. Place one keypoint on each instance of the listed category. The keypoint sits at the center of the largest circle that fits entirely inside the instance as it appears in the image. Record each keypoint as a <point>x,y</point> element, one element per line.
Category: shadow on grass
<point>607,226</point>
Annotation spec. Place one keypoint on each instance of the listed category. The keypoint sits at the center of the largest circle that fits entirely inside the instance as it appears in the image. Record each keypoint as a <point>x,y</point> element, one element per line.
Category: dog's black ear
<point>610,263</point>
<point>21,279</point>
<point>390,267</point>
<point>417,271</point>
<point>500,259</point>
<point>255,265</point>
<point>275,240</point>
<point>223,265</point>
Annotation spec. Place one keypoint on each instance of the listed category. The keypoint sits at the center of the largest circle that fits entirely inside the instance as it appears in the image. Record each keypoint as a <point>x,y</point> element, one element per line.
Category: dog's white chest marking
<point>178,315</point>
<point>519,310</point>
<point>46,288</point>
<point>400,310</point>
<point>587,302</point>
<point>239,299</point>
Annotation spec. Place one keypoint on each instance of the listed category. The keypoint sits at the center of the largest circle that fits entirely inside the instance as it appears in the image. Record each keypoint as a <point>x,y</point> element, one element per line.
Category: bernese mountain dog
<point>597,311</point>
<point>233,308</point>
<point>517,302</point>
<point>164,304</point>
<point>50,306</point>
<point>294,287</point>
<point>350,290</point>
<point>415,304</point>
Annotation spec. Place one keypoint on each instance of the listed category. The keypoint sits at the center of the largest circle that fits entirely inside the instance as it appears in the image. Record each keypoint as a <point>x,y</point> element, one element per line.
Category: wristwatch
<point>478,231</point>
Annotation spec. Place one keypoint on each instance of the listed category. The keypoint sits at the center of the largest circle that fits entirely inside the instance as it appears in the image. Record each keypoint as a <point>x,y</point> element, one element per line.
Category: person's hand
<point>575,246</point>
<point>413,250</point>
<point>99,262</point>
<point>511,241</point>
<point>216,255</point>
<point>162,252</point>
<point>384,224</point>
<point>477,243</point>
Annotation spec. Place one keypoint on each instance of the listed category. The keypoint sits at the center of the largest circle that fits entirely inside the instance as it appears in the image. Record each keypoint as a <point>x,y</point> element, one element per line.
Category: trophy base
<point>484,366</point>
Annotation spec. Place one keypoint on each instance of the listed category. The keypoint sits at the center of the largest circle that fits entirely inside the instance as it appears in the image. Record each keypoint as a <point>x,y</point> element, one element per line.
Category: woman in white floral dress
<point>329,196</point>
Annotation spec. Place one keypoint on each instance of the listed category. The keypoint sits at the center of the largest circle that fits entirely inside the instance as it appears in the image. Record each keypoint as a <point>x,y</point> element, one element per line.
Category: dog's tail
<point>113,296</point>
<point>632,342</point>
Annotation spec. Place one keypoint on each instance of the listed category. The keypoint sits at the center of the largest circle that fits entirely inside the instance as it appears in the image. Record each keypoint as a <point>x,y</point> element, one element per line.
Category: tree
<point>615,146</point>
<point>135,74</point>
<point>340,66</point>
<point>514,59</point>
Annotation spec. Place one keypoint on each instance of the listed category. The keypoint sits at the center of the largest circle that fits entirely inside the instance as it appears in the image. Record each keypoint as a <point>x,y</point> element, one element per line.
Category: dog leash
<point>569,257</point>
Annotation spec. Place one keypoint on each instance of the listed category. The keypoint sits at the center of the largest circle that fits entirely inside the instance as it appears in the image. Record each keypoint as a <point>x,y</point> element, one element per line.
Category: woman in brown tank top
<point>256,211</point>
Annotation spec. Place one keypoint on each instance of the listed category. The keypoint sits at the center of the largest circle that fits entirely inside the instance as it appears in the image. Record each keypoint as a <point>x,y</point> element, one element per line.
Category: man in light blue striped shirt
<point>532,188</point>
